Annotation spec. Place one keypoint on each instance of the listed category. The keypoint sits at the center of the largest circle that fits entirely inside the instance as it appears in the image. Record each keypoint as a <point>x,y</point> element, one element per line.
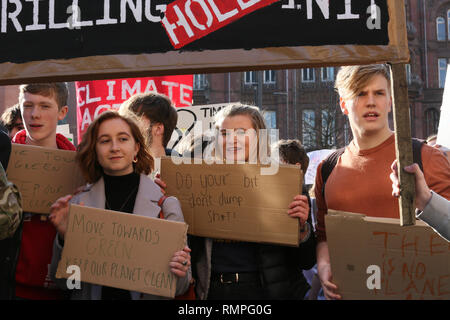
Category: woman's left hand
<point>180,263</point>
<point>299,208</point>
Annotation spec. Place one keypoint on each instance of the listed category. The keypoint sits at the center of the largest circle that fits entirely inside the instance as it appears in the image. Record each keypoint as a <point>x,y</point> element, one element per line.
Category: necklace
<point>123,204</point>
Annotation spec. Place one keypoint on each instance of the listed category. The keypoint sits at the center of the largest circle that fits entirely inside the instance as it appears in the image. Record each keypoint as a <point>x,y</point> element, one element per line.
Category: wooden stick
<point>403,145</point>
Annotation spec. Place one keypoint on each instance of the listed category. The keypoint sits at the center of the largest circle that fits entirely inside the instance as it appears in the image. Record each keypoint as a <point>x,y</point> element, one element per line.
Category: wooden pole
<point>403,145</point>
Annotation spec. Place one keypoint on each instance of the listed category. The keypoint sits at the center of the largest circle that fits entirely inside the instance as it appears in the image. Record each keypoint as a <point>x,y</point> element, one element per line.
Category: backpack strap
<point>160,203</point>
<point>331,161</point>
<point>328,166</point>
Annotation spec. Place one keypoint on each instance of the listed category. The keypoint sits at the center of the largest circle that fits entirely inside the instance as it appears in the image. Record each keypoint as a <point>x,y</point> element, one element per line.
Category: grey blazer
<point>146,205</point>
<point>437,215</point>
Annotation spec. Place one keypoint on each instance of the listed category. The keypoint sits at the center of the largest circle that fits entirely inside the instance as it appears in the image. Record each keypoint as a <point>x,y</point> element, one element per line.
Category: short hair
<point>56,90</point>
<point>253,112</point>
<point>156,107</point>
<point>10,116</point>
<point>87,155</point>
<point>292,151</point>
<point>350,80</point>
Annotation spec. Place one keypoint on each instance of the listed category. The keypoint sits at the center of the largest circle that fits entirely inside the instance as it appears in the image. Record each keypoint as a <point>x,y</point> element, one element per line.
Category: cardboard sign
<point>105,40</point>
<point>192,116</point>
<point>122,250</point>
<point>414,261</point>
<point>43,175</point>
<point>95,97</point>
<point>234,201</point>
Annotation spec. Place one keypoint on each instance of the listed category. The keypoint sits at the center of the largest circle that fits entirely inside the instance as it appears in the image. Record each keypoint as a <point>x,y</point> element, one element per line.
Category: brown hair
<point>157,108</point>
<point>56,90</point>
<point>87,155</point>
<point>10,116</point>
<point>292,151</point>
<point>350,80</point>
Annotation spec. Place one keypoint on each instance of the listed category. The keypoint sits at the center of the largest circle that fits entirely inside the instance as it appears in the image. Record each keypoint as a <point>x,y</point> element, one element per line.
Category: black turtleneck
<point>121,191</point>
<point>120,194</point>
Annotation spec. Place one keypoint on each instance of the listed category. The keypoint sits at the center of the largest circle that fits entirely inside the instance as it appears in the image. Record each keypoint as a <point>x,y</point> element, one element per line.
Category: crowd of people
<point>117,157</point>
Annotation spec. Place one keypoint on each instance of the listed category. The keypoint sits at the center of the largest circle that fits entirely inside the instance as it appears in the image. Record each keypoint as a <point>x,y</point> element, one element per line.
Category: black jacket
<point>9,255</point>
<point>280,267</point>
<point>9,248</point>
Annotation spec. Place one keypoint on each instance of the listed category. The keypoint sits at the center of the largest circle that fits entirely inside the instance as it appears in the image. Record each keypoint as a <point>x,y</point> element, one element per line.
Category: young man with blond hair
<point>359,182</point>
<point>42,106</point>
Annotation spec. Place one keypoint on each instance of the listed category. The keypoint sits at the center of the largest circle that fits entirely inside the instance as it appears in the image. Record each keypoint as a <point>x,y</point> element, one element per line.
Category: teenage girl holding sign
<point>115,162</point>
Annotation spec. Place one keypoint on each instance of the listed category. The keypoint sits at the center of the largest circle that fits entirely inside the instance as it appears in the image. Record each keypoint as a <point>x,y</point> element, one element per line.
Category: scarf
<point>62,142</point>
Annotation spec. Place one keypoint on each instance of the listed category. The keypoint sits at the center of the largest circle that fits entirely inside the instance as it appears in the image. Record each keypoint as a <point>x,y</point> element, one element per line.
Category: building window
<point>200,81</point>
<point>328,128</point>
<point>309,129</point>
<point>269,76</point>
<point>327,74</point>
<point>271,119</point>
<point>442,71</point>
<point>408,73</point>
<point>440,28</point>
<point>448,24</point>
<point>250,77</point>
<point>308,75</point>
<point>431,121</point>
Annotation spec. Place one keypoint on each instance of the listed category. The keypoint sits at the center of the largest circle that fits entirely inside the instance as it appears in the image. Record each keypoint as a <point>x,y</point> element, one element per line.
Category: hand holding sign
<point>59,212</point>
<point>180,263</point>
<point>299,208</point>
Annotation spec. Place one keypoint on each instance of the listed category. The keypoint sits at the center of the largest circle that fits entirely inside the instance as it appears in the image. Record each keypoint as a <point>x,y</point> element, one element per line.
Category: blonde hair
<point>350,80</point>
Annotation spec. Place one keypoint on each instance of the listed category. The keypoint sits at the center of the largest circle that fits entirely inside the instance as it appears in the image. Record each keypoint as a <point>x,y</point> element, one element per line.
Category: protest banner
<point>234,201</point>
<point>315,157</point>
<point>122,250</point>
<point>95,97</point>
<point>191,116</point>
<point>375,258</point>
<point>117,39</point>
<point>43,175</point>
<point>443,135</point>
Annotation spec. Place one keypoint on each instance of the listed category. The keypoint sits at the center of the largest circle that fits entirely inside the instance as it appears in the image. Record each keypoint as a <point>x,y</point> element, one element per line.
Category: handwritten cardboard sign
<point>43,175</point>
<point>234,201</point>
<point>414,261</point>
<point>122,250</point>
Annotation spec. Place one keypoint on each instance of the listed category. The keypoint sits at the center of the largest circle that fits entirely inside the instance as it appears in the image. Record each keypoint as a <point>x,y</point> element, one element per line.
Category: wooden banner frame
<point>209,61</point>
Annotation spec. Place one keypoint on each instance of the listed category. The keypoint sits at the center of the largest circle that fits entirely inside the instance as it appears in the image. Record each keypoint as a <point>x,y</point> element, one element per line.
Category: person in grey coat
<point>114,160</point>
<point>432,208</point>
